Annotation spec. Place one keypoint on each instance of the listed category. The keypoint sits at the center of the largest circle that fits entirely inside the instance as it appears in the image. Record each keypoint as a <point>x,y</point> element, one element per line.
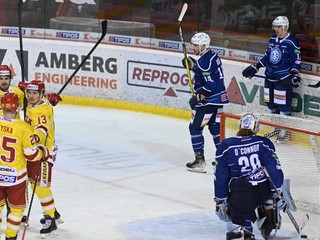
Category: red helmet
<point>5,71</point>
<point>36,85</point>
<point>10,102</point>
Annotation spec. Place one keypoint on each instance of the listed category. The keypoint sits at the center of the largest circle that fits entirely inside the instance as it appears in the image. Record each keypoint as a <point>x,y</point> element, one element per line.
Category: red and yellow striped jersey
<point>17,146</point>
<point>41,118</point>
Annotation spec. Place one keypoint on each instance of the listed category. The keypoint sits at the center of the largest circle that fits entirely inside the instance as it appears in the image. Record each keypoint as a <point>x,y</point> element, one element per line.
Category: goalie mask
<point>281,21</point>
<point>201,39</point>
<point>250,122</point>
<point>10,102</point>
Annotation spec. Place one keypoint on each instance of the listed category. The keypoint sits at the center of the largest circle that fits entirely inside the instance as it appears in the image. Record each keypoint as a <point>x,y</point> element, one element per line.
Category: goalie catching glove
<point>222,209</point>
<point>53,98</point>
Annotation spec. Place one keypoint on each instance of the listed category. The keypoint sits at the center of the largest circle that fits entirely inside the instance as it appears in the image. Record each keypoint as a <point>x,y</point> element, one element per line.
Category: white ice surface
<point>120,176</point>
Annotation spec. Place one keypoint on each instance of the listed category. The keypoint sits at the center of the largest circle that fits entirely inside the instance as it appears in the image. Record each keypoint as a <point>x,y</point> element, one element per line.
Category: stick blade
<point>315,85</point>
<point>183,12</point>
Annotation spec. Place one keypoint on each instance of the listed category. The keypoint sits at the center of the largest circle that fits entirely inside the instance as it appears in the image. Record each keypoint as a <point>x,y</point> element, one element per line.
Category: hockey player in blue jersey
<point>209,98</point>
<point>282,62</point>
<point>241,184</point>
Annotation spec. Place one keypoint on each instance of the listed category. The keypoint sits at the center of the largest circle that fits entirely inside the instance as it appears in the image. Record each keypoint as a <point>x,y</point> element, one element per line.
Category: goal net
<point>297,143</point>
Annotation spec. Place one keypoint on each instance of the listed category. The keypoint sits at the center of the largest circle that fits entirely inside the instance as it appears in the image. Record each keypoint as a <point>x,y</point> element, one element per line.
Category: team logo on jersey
<point>275,55</point>
<point>8,179</point>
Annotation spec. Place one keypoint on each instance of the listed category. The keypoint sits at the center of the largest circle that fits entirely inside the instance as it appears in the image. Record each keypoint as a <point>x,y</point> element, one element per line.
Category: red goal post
<point>298,151</point>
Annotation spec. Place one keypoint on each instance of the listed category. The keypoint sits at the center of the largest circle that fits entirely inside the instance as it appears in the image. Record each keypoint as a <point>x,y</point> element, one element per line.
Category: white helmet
<point>249,121</point>
<point>281,21</point>
<point>201,39</point>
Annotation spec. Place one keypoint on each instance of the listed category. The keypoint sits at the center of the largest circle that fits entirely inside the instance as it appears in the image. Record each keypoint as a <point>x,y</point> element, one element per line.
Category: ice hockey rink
<point>121,175</point>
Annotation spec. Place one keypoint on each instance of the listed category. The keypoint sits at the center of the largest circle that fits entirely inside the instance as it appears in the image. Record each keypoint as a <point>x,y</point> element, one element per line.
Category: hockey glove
<point>53,98</point>
<point>278,199</point>
<point>295,79</point>
<point>191,62</point>
<point>222,209</point>
<point>195,100</point>
<point>249,71</point>
<point>22,86</point>
<point>45,152</point>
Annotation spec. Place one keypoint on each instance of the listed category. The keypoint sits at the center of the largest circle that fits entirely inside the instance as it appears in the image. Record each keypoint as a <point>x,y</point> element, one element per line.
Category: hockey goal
<point>297,143</point>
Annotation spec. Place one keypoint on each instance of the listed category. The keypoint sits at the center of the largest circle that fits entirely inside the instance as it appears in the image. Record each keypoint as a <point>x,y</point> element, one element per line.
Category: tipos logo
<point>78,1</point>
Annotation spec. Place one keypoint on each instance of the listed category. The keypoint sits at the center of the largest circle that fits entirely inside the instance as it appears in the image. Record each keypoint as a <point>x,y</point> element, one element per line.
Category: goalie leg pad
<point>269,218</point>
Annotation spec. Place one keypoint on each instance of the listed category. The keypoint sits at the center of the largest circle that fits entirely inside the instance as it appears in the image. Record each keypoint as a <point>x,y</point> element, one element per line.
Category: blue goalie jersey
<point>282,56</point>
<point>245,157</point>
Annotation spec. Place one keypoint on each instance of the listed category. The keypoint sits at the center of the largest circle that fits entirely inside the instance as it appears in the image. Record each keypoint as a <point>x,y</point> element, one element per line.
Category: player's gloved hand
<point>295,79</point>
<point>195,100</point>
<point>22,85</point>
<point>222,209</point>
<point>249,71</point>
<point>45,152</point>
<point>278,198</point>
<point>53,98</point>
<point>190,60</point>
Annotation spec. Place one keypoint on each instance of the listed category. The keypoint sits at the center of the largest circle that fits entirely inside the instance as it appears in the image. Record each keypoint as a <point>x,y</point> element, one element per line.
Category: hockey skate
<point>57,217</point>
<point>24,220</point>
<point>197,165</point>
<point>12,238</point>
<point>49,227</point>
<point>240,234</point>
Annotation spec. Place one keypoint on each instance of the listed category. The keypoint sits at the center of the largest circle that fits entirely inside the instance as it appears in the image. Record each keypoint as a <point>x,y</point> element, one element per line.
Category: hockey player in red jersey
<point>40,116</point>
<point>18,147</point>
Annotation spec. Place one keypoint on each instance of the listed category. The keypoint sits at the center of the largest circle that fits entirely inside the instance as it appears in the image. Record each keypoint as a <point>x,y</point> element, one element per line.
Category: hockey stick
<point>26,224</point>
<point>259,76</point>
<point>20,4</point>
<point>287,210</point>
<point>104,32</point>
<point>314,85</point>
<point>182,13</point>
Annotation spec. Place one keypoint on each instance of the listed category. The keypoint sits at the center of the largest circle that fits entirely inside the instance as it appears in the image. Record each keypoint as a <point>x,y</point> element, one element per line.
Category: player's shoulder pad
<point>23,124</point>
